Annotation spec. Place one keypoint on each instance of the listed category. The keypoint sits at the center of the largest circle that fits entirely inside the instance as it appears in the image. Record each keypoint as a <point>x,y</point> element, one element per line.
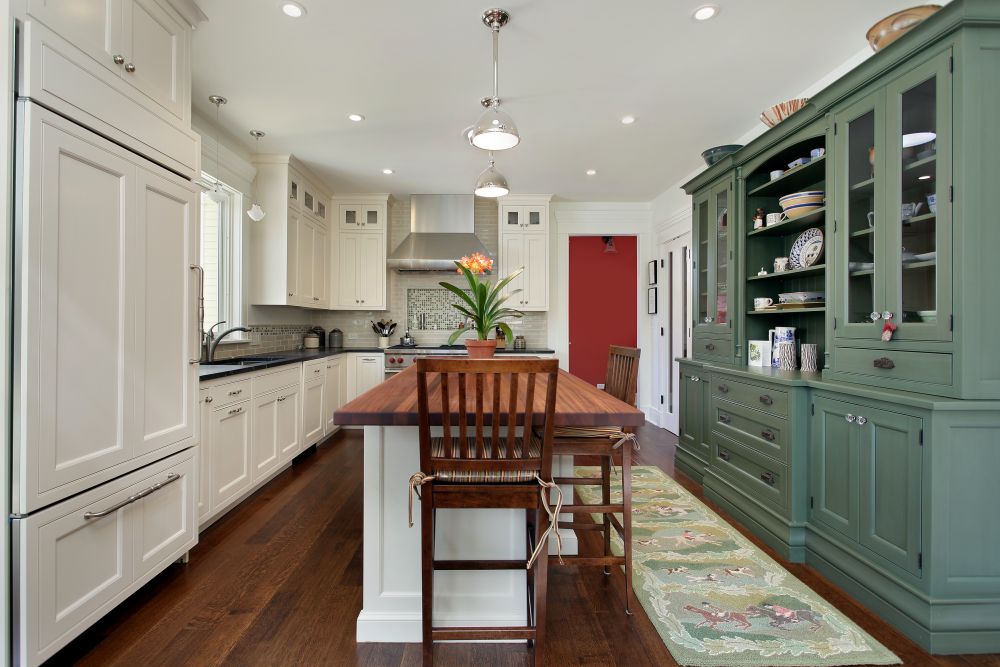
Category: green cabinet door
<point>701,263</point>
<point>833,462</point>
<point>714,269</point>
<point>917,265</point>
<point>890,481</point>
<point>691,412</point>
<point>858,201</point>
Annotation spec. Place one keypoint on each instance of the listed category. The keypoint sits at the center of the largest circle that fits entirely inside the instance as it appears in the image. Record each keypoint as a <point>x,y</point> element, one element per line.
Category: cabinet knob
<point>876,316</point>
<point>724,455</point>
<point>884,362</point>
<point>850,418</point>
<point>710,346</point>
<point>291,294</point>
<point>765,399</point>
<point>724,388</point>
<point>725,419</point>
<point>209,399</point>
<point>887,315</point>
<point>768,478</point>
<point>861,421</point>
<point>767,435</point>
<point>130,67</point>
<point>708,320</point>
<point>695,378</point>
<point>119,59</point>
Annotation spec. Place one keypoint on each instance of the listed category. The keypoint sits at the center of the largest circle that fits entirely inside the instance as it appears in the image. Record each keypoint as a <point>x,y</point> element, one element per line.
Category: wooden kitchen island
<point>391,606</point>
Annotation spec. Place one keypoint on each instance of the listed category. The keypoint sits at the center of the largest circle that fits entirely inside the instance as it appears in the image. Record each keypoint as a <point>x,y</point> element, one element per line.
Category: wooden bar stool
<point>489,467</point>
<point>620,381</point>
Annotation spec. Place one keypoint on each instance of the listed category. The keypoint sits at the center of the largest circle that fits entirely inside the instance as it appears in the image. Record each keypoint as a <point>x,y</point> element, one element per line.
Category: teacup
<point>817,152</point>
<point>911,209</point>
<point>780,263</point>
<point>932,202</point>
<point>777,173</point>
<point>761,303</point>
<point>773,218</point>
<point>871,218</point>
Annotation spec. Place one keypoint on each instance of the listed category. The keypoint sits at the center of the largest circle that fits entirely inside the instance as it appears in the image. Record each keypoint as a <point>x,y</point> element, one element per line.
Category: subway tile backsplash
<point>276,328</point>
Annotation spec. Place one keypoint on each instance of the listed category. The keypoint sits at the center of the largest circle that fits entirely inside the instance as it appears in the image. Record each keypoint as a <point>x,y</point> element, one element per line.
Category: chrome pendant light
<point>495,130</point>
<point>491,183</point>
<point>256,213</point>
<point>218,101</point>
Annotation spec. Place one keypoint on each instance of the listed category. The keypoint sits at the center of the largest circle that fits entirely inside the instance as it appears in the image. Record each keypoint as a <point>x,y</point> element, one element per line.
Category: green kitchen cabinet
<point>714,271</point>
<point>692,447</point>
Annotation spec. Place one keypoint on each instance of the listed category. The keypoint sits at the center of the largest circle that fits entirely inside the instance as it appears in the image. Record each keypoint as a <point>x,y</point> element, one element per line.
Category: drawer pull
<point>767,435</point>
<point>725,419</point>
<point>209,399</point>
<point>723,388</point>
<point>724,455</point>
<point>172,477</point>
<point>766,400</point>
<point>884,362</point>
<point>710,346</point>
<point>236,392</point>
<point>695,378</point>
<point>768,478</point>
<point>861,421</point>
<point>236,411</point>
<point>850,418</point>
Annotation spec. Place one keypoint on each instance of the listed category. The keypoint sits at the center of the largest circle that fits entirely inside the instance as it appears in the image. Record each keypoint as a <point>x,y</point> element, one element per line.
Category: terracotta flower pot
<point>481,349</point>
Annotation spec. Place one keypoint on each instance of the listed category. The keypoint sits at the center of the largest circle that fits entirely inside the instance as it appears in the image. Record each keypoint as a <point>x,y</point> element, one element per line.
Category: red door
<point>602,302</point>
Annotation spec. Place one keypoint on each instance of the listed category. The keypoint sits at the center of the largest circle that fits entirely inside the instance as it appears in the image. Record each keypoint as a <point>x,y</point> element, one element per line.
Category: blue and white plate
<point>807,249</point>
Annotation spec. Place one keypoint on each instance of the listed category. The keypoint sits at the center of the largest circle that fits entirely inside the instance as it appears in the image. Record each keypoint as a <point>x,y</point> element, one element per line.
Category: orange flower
<point>478,263</point>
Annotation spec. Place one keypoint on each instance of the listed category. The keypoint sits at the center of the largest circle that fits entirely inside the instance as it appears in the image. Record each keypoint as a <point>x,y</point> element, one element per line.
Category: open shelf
<point>919,218</point>
<point>789,311</point>
<point>862,272</point>
<point>916,164</point>
<point>908,266</point>
<point>863,185</point>
<point>791,273</point>
<point>790,226</point>
<point>792,180</point>
<point>863,232</point>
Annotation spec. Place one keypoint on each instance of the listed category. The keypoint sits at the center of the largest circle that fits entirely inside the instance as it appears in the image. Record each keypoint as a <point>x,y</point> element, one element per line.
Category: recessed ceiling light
<point>591,172</point>
<point>387,172</point>
<point>293,9</point>
<point>356,117</point>
<point>705,12</point>
<point>628,120</point>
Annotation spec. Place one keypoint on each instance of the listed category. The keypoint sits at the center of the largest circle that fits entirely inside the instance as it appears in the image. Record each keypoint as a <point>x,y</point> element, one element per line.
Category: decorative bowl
<point>780,112</point>
<point>894,26</point>
<point>799,210</point>
<point>810,197</point>
<point>716,153</point>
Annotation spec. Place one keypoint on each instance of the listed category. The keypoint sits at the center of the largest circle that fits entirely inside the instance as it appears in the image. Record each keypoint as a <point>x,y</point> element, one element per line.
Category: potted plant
<point>483,305</point>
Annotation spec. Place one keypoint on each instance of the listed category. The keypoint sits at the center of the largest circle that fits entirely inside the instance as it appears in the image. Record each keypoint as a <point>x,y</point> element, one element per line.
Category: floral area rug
<point>715,598</point>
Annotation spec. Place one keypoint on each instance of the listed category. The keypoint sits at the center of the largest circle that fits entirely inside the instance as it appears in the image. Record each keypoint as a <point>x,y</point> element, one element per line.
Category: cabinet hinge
<point>834,224</point>
<point>920,560</point>
<point>662,264</point>
<point>921,437</point>
<point>835,323</point>
<point>835,128</point>
<point>951,193</point>
<point>811,502</point>
<point>812,409</point>
<point>951,323</point>
<point>661,399</point>
<point>661,331</point>
<point>951,63</point>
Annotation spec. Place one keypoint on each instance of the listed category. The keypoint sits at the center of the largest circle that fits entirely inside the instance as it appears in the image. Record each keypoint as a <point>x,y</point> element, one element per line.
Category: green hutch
<point>882,468</point>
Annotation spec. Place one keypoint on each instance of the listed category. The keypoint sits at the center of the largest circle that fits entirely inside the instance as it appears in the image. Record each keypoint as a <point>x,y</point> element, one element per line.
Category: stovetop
<point>425,348</point>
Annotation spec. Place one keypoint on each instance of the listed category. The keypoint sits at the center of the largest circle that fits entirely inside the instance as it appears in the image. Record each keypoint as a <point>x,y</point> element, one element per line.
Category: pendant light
<point>256,213</point>
<point>495,129</point>
<point>491,183</point>
<point>218,101</point>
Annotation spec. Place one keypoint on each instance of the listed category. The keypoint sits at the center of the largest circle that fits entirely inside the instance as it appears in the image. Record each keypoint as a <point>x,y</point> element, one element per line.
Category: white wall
<point>6,149</point>
<point>598,219</point>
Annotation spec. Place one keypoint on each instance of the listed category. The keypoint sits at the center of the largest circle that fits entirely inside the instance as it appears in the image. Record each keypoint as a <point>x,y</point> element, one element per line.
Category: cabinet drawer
<point>712,349</point>
<point>755,396</point>
<point>286,377</point>
<point>760,431</point>
<point>923,367</point>
<point>314,369</point>
<point>226,394</point>
<point>756,475</point>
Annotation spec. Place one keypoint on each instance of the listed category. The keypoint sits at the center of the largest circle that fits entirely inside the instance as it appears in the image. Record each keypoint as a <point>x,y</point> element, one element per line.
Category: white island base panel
<point>392,600</point>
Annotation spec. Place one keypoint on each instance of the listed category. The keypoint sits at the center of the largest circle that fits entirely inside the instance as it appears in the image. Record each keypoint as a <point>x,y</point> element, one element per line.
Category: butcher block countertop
<point>394,403</point>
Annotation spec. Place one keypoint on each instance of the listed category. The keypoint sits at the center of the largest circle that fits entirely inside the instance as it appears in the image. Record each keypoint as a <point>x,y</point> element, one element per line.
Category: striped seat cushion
<point>485,476</point>
<point>608,432</point>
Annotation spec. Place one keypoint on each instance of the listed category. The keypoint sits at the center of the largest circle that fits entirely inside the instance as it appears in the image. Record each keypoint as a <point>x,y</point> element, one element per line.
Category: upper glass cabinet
<point>713,257</point>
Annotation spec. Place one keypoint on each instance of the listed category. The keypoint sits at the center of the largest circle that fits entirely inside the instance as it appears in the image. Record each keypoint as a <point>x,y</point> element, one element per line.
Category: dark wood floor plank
<point>277,581</point>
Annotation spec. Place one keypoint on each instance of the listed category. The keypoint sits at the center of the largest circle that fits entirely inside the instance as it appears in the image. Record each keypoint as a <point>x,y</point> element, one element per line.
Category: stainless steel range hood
<point>441,230</point>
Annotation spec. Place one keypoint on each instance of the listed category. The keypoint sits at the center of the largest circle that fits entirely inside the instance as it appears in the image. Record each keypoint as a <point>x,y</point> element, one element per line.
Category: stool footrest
<point>592,560</point>
<point>473,634</point>
<point>577,525</point>
<point>480,564</point>
<point>592,509</point>
<point>580,481</point>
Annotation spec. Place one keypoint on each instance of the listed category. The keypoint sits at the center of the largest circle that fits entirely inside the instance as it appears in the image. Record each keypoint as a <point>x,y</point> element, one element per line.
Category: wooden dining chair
<point>487,465</point>
<point>620,380</point>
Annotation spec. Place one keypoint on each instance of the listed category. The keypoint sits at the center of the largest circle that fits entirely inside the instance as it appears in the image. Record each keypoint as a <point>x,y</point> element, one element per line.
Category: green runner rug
<point>715,598</point>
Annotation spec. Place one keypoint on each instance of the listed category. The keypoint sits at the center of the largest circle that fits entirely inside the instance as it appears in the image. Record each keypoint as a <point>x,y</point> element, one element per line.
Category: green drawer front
<point>712,349</point>
<point>755,396</point>
<point>757,430</point>
<point>756,475</point>
<point>926,367</point>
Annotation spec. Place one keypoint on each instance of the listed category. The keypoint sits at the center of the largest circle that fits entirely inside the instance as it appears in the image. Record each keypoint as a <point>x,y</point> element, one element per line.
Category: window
<point>221,255</point>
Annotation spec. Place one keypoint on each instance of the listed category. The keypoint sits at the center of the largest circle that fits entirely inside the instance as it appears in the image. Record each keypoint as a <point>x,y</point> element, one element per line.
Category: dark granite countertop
<point>222,369</point>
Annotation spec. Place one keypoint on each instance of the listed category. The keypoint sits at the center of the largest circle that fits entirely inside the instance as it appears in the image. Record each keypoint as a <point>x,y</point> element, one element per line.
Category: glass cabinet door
<point>918,258</point>
<point>723,273</point>
<point>858,186</point>
<point>702,252</point>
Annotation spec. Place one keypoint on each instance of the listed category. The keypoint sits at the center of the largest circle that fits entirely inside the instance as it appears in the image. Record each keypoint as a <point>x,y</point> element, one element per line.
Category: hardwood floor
<point>278,582</point>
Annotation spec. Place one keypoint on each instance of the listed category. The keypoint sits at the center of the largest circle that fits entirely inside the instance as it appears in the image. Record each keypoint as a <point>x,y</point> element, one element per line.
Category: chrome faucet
<point>218,339</point>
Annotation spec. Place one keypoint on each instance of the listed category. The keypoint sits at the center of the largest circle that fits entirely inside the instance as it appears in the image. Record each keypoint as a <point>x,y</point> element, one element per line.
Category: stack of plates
<point>807,249</point>
<point>801,297</point>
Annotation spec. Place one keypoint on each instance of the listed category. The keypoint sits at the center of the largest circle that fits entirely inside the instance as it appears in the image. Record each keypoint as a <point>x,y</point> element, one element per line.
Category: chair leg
<point>427,571</point>
<point>627,523</point>
<point>541,590</point>
<point>529,520</point>
<point>606,499</point>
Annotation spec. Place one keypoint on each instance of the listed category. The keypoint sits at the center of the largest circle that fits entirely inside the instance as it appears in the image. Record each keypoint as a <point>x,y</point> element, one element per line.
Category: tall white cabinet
<point>524,243</point>
<point>358,245</point>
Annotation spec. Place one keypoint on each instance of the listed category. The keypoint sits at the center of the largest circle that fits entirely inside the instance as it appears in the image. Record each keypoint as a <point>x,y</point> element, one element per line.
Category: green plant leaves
<point>485,304</point>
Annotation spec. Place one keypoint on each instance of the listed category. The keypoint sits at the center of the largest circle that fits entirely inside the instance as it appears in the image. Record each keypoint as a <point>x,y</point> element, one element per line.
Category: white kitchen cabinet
<point>79,558</point>
<point>369,372</point>
<point>228,450</point>
<point>276,430</point>
<point>105,304</point>
<point>120,67</point>
<point>363,216</point>
<point>335,394</point>
<point>313,402</point>
<point>361,271</point>
<point>288,255</point>
<point>204,467</point>
<point>524,243</point>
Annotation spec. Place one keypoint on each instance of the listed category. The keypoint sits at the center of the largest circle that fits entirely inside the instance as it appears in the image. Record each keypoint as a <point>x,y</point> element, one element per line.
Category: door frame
<point>678,313</point>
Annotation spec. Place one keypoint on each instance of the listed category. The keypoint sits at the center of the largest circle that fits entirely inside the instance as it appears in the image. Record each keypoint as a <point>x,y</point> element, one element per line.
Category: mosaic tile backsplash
<point>436,304</point>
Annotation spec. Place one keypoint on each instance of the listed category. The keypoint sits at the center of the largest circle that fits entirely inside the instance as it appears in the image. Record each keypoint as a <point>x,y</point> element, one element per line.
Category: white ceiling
<point>568,71</point>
